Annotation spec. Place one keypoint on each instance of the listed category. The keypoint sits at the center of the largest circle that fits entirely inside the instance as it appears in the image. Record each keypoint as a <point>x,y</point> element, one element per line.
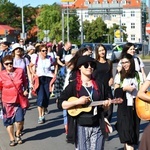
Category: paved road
<point>51,136</point>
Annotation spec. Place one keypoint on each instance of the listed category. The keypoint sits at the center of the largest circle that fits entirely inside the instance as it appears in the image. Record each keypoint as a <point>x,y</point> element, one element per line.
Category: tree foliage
<point>50,18</point>
<point>10,14</point>
<point>95,31</point>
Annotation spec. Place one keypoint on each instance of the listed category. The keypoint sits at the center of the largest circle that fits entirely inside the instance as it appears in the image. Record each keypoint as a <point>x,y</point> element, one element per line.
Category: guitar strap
<point>90,95</point>
<point>90,92</point>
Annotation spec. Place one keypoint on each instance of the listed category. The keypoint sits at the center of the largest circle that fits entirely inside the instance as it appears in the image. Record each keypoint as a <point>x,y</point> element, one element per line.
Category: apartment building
<point>122,12</point>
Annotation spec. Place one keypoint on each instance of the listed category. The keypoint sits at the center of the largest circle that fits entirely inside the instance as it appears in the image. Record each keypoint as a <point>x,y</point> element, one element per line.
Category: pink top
<point>7,81</point>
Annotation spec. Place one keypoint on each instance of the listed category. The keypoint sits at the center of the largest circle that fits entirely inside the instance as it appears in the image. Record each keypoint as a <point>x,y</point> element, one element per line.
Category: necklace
<point>86,83</point>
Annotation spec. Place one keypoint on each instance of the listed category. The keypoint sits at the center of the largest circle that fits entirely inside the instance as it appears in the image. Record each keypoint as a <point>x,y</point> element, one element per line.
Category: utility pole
<point>63,35</point>
<point>149,22</point>
<point>143,18</point>
<point>22,16</point>
<point>82,35</point>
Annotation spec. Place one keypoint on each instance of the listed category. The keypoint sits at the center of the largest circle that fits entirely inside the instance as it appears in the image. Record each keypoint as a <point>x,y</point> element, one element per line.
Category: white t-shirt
<point>138,65</point>
<point>43,66</point>
<point>53,56</point>
<point>148,77</point>
<point>129,81</point>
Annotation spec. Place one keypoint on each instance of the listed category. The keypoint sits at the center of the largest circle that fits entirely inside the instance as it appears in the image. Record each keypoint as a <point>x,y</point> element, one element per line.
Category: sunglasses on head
<point>8,63</point>
<point>44,50</point>
<point>91,64</point>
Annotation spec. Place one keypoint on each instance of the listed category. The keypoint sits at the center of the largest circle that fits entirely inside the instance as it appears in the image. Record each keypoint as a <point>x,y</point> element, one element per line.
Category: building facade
<point>122,12</point>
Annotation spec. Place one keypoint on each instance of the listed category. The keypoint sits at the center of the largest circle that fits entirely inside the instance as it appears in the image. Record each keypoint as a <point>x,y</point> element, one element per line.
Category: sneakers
<point>29,95</point>
<point>52,95</point>
<point>41,120</point>
<point>45,111</point>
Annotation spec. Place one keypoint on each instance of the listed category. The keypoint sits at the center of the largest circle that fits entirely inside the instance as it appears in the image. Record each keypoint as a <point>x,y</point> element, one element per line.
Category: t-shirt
<point>43,66</point>
<point>53,56</point>
<point>103,72</point>
<point>62,53</point>
<point>20,63</point>
<point>132,82</point>
<point>148,76</point>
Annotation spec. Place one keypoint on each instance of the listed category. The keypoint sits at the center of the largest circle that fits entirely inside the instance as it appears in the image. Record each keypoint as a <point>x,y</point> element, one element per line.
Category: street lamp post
<point>81,26</point>
<point>68,21</point>
<point>63,37</point>
<point>22,15</point>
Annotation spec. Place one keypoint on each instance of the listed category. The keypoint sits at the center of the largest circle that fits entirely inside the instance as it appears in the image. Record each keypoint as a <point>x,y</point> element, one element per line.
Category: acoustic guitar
<point>76,110</point>
<point>143,108</point>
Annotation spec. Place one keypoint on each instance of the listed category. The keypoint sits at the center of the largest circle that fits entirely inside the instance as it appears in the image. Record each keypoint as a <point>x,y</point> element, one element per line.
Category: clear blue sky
<point>34,3</point>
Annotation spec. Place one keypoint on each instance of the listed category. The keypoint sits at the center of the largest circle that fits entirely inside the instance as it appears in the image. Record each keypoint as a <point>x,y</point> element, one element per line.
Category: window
<point>132,37</point>
<point>113,15</point>
<point>123,24</point>
<point>95,1</point>
<point>86,2</point>
<point>123,14</point>
<point>132,25</point>
<point>132,13</point>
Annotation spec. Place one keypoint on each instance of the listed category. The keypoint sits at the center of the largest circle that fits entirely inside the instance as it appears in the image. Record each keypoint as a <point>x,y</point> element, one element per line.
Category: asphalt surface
<point>51,134</point>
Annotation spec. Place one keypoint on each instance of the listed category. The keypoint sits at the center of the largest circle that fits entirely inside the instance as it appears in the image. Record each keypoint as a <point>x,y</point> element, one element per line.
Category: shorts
<point>18,117</point>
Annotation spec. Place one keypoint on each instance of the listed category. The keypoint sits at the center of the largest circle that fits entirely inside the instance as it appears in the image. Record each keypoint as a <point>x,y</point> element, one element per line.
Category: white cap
<point>15,46</point>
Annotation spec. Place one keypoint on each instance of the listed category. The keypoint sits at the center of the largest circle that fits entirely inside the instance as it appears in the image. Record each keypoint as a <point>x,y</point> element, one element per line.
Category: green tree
<point>9,14</point>
<point>49,19</point>
<point>95,31</point>
<point>74,27</point>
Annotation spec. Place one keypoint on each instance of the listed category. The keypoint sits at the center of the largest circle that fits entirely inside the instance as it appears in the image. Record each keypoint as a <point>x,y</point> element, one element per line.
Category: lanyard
<point>90,93</point>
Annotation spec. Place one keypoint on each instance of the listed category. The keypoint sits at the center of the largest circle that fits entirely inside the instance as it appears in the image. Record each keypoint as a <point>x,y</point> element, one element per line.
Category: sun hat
<point>37,44</point>
<point>15,46</point>
<point>30,47</point>
<point>83,59</point>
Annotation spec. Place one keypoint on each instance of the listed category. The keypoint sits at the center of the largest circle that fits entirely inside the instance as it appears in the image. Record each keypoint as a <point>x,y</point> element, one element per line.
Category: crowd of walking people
<point>77,81</point>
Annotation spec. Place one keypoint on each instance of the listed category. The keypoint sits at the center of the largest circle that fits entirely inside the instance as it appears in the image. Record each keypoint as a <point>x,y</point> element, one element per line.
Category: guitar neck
<point>96,103</point>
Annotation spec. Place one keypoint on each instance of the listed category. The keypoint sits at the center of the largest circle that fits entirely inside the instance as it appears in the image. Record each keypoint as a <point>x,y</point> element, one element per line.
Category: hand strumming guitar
<point>81,101</point>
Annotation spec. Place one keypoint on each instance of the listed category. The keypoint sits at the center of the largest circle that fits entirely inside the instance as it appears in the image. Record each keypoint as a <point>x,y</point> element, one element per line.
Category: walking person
<point>129,48</point>
<point>87,128</point>
<point>40,65</point>
<point>10,79</point>
<point>104,73</point>
<point>127,83</point>
<point>4,50</point>
<point>66,50</point>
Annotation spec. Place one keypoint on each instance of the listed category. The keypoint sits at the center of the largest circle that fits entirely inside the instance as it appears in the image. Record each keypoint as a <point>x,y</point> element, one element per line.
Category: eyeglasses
<point>91,64</point>
<point>125,62</point>
<point>44,50</point>
<point>8,63</point>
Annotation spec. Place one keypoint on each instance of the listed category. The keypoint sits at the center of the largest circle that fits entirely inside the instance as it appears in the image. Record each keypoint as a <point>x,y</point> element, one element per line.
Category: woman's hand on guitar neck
<point>106,104</point>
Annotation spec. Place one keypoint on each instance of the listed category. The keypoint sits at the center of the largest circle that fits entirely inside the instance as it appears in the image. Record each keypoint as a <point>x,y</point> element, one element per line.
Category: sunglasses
<point>43,51</point>
<point>91,64</point>
<point>8,63</point>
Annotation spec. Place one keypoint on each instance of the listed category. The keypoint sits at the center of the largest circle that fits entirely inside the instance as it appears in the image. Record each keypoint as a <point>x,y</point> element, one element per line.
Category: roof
<point>3,29</point>
<point>129,3</point>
